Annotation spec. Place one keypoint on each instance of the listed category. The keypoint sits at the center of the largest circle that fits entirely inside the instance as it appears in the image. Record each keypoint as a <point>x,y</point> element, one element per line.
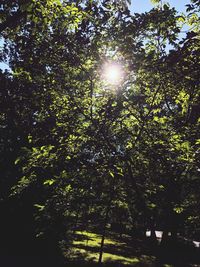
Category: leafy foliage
<point>88,153</point>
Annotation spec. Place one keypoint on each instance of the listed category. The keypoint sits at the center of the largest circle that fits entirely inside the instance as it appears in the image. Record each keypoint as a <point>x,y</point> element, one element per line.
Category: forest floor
<point>118,251</point>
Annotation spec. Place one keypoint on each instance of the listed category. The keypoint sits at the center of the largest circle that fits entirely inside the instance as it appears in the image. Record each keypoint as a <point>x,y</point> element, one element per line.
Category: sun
<point>112,73</point>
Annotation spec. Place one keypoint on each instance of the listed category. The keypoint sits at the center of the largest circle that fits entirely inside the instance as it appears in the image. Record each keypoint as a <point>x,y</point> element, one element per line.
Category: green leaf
<point>111,174</point>
<point>155,1</point>
<point>197,142</point>
<point>49,182</point>
<point>17,161</point>
<point>39,207</point>
<point>186,145</point>
<point>152,205</point>
<point>178,210</point>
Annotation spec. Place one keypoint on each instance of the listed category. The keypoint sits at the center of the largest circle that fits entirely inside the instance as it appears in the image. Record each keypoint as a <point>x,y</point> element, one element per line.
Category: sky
<point>138,6</point>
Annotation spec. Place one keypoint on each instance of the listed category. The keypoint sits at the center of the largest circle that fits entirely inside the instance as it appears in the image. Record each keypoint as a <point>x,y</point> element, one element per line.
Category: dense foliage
<point>78,152</point>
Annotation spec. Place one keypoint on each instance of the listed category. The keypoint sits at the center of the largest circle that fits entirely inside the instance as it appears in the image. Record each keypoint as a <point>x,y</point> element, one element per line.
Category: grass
<point>86,246</point>
<point>126,251</point>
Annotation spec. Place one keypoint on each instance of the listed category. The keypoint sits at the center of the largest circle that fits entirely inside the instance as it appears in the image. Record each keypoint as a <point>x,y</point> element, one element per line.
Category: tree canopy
<point>78,151</point>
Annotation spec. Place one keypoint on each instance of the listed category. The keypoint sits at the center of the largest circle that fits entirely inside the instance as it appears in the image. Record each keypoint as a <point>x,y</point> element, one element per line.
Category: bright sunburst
<point>112,73</point>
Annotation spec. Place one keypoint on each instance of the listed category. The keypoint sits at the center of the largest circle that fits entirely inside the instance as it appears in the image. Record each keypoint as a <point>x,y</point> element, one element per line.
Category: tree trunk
<point>153,235</point>
<point>101,248</point>
<point>104,232</point>
<point>164,237</point>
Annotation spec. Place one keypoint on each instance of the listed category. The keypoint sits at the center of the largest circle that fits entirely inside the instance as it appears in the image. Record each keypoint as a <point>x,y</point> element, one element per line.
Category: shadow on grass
<point>117,253</point>
<point>124,251</point>
<point>144,261</point>
<point>129,252</point>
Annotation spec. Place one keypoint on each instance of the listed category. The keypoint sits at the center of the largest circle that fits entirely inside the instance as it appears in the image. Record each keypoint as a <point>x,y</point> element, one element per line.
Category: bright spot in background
<point>112,73</point>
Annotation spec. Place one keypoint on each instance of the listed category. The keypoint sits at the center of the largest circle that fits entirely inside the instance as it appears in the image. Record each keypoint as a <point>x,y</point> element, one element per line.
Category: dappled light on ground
<point>86,247</point>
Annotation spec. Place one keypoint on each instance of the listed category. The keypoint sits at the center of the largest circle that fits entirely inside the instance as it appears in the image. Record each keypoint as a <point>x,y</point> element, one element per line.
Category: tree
<point>85,153</point>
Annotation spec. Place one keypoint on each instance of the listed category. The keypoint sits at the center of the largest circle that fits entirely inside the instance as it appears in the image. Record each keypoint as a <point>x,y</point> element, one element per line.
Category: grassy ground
<point>117,252</point>
<point>120,252</point>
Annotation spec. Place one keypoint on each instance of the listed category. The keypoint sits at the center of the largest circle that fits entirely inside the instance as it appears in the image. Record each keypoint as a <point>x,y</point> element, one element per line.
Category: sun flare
<point>112,73</point>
